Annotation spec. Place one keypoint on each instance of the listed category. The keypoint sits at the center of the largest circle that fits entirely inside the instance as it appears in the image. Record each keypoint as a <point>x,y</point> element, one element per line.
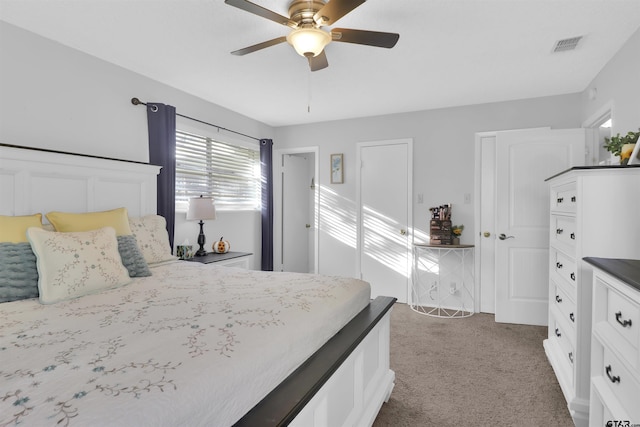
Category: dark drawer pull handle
<point>624,323</point>
<point>573,236</point>
<point>558,334</point>
<point>572,317</point>
<point>560,199</point>
<point>571,357</point>
<point>573,276</point>
<point>559,230</point>
<point>558,299</point>
<point>558,264</point>
<point>573,199</point>
<point>613,379</point>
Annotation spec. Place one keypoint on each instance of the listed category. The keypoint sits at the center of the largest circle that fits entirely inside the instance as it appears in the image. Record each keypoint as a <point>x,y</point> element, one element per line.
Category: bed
<point>189,344</point>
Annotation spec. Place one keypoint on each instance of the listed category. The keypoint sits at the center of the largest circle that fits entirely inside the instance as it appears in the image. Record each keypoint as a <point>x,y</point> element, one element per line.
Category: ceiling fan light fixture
<point>308,42</point>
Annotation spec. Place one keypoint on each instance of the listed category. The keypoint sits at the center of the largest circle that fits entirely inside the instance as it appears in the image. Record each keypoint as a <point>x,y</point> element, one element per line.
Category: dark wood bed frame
<point>284,403</point>
<point>317,390</point>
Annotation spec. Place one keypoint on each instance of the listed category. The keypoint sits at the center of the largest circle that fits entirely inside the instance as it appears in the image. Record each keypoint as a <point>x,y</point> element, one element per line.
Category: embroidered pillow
<point>66,222</point>
<point>18,272</point>
<point>74,264</point>
<point>153,239</point>
<point>132,258</point>
<point>14,228</point>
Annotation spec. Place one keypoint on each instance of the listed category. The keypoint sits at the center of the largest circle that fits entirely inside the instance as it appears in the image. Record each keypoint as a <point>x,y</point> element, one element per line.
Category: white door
<point>384,216</point>
<point>294,191</point>
<point>524,159</point>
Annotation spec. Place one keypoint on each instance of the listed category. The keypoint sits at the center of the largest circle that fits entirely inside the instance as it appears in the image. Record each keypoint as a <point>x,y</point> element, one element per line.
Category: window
<point>229,173</point>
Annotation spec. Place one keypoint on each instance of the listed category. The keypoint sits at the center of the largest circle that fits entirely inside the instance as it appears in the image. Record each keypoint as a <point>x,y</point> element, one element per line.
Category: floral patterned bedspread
<point>193,344</point>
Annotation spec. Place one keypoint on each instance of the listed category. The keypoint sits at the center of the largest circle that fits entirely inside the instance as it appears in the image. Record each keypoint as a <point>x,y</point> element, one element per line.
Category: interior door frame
<point>477,218</point>
<point>593,123</point>
<point>277,203</point>
<point>359,225</point>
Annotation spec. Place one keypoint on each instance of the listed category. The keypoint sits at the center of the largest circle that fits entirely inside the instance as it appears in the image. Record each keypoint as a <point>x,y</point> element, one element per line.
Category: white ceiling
<point>450,52</point>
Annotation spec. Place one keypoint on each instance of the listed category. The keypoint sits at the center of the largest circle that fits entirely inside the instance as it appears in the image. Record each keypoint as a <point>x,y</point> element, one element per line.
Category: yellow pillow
<point>13,229</point>
<point>67,222</point>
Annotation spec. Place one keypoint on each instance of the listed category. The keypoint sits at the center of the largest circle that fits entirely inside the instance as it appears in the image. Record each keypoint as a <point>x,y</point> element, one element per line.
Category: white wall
<point>618,84</point>
<point>58,98</point>
<point>443,161</point>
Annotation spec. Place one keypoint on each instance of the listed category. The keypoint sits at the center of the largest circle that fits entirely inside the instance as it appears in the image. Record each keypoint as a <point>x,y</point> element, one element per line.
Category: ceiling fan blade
<point>335,10</point>
<point>259,46</point>
<point>261,11</point>
<point>318,62</point>
<point>370,38</point>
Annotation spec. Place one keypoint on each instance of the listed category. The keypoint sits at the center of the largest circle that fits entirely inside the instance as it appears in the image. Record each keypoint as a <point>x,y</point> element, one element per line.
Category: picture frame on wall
<point>337,172</point>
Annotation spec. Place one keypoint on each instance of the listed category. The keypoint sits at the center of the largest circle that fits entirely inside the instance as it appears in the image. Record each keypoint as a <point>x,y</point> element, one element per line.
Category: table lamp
<point>201,208</point>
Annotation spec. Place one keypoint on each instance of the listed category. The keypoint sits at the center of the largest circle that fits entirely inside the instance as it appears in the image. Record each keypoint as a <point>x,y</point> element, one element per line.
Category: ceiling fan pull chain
<point>309,93</point>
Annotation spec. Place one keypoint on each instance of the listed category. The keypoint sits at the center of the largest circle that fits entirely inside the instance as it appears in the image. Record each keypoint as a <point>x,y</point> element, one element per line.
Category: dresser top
<point>590,168</point>
<point>626,270</point>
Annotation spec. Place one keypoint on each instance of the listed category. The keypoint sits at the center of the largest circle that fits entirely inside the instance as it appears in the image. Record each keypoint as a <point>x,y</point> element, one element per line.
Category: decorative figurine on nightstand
<point>184,251</point>
<point>221,246</point>
<point>201,208</point>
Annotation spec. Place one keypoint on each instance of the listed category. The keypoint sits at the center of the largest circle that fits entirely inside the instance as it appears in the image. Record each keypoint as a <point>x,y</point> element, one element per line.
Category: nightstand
<point>442,282</point>
<point>229,259</point>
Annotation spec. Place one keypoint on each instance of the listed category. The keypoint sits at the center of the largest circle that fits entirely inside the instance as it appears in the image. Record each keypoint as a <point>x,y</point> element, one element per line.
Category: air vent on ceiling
<point>567,44</point>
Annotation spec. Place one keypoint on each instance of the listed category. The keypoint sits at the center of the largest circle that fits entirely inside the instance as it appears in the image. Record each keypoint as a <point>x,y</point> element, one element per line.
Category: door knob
<point>403,232</point>
<point>486,234</point>
<point>505,237</point>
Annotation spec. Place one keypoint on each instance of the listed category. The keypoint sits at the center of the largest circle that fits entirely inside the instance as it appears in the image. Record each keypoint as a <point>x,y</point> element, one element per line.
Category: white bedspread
<point>192,345</point>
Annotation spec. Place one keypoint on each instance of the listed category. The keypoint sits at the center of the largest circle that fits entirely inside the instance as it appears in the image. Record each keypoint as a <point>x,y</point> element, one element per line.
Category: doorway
<point>512,217</point>
<point>599,128</point>
<point>296,214</point>
<point>384,216</point>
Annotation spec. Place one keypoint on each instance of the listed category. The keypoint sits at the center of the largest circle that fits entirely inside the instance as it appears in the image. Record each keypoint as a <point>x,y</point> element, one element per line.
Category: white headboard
<point>33,181</point>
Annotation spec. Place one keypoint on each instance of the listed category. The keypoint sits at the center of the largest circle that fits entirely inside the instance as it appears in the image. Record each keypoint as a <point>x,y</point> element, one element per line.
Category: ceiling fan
<point>306,19</point>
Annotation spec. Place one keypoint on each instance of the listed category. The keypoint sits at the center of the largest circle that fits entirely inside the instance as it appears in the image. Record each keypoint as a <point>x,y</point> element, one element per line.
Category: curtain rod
<point>136,101</point>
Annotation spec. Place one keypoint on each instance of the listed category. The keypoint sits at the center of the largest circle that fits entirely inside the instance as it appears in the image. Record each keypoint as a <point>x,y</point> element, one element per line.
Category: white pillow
<point>153,239</point>
<point>74,264</point>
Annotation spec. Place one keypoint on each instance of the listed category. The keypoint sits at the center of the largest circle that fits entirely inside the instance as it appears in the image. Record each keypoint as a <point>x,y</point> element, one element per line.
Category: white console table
<point>442,281</point>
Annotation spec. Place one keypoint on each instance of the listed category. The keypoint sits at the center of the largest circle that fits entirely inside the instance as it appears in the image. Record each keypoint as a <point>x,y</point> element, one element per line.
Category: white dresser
<point>615,347</point>
<point>592,210</point>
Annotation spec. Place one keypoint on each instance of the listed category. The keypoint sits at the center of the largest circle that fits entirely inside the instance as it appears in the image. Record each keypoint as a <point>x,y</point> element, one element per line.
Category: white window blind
<point>229,173</point>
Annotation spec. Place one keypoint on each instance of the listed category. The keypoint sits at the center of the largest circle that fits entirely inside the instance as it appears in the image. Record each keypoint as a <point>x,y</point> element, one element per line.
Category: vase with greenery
<point>622,146</point>
<point>456,230</point>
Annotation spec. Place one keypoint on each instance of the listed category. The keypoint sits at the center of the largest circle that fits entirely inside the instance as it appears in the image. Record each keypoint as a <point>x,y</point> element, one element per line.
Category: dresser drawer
<point>621,382</point>
<point>600,413</point>
<point>557,330</point>
<point>566,352</point>
<point>623,315</point>
<point>563,230</point>
<point>565,339</point>
<point>565,304</point>
<point>563,197</point>
<point>566,268</point>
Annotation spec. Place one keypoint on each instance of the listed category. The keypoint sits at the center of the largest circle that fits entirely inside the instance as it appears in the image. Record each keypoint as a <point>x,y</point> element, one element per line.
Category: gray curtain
<point>266,161</point>
<point>161,120</point>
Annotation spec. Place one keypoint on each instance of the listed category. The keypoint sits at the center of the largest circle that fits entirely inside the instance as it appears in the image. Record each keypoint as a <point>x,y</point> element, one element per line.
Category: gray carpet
<point>470,372</point>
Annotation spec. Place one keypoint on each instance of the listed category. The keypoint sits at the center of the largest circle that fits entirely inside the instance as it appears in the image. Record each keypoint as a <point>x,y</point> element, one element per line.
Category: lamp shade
<point>308,41</point>
<point>201,208</point>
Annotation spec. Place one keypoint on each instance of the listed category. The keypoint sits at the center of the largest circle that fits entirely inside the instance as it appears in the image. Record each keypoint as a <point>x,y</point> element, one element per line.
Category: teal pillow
<point>18,272</point>
<point>132,257</point>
